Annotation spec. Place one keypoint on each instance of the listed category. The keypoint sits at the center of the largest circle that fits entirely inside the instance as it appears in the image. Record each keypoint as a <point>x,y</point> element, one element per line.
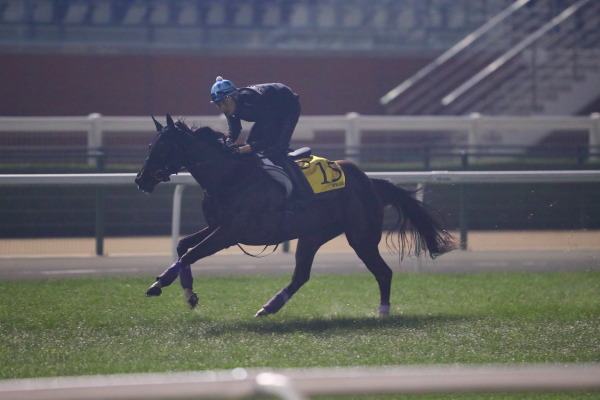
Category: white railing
<point>300,384</point>
<point>354,125</point>
<point>399,178</point>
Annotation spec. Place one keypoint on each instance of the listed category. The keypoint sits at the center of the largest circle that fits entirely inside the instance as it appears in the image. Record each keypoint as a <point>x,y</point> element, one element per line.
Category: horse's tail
<point>414,218</point>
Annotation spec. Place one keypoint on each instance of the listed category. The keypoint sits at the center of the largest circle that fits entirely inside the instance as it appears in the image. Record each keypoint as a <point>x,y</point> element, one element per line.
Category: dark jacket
<point>274,108</point>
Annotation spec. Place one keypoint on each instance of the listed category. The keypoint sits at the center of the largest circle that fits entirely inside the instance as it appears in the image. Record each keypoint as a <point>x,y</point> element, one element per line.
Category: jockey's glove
<point>246,149</point>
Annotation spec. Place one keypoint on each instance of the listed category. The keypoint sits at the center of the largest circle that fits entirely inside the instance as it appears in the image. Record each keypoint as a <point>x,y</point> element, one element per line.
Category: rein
<point>259,255</point>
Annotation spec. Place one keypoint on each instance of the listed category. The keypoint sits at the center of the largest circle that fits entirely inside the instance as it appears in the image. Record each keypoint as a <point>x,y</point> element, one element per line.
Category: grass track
<point>103,326</point>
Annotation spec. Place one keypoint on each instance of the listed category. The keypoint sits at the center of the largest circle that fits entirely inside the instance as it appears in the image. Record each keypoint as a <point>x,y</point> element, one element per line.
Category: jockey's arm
<point>235,128</point>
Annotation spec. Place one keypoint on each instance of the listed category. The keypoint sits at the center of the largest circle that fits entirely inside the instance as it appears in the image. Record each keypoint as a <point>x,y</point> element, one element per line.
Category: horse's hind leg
<point>192,240</point>
<point>305,255</point>
<point>368,251</point>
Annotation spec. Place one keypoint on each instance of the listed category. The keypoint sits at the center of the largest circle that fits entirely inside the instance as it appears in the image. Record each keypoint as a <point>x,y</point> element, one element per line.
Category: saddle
<point>321,175</point>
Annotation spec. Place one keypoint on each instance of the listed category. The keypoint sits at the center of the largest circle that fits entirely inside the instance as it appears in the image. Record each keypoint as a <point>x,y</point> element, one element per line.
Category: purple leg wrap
<point>277,302</point>
<point>170,274</point>
<point>185,277</point>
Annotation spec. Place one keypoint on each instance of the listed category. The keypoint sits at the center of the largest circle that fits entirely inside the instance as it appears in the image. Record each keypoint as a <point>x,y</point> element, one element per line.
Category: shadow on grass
<point>334,325</point>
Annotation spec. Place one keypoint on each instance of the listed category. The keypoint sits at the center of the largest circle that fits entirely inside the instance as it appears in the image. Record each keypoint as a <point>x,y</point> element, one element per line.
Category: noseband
<point>163,175</point>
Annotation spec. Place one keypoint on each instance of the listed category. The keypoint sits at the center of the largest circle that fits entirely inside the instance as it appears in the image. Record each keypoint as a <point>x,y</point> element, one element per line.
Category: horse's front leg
<point>180,269</point>
<point>185,277</point>
<point>164,279</point>
<point>218,239</point>
<point>186,280</point>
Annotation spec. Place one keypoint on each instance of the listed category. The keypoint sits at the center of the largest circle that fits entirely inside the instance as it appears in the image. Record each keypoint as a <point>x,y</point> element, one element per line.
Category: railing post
<point>426,158</point>
<point>463,207</point>
<point>420,195</point>
<point>352,143</point>
<point>100,219</point>
<point>464,159</point>
<point>474,134</point>
<point>463,220</point>
<point>594,139</point>
<point>176,219</point>
<point>94,138</point>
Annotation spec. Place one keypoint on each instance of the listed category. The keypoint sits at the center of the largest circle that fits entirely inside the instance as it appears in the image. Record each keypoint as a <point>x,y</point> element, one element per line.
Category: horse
<point>243,205</point>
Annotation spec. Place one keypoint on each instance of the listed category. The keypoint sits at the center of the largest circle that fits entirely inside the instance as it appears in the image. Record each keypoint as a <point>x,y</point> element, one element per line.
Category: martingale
<point>323,175</point>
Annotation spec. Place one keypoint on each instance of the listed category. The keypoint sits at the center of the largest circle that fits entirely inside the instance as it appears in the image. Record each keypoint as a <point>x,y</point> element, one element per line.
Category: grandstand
<point>406,57</point>
<point>373,57</point>
<point>299,25</point>
<point>400,57</point>
<point>533,58</point>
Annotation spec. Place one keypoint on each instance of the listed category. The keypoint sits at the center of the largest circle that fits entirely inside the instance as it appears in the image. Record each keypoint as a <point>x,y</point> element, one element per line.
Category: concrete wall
<point>76,84</point>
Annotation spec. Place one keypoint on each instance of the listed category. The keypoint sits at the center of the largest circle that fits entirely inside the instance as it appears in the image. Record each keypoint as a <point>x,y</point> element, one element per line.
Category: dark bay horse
<point>244,205</point>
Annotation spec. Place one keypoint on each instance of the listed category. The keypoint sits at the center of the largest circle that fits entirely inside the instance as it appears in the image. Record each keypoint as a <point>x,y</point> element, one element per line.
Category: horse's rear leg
<point>305,255</point>
<point>368,252</point>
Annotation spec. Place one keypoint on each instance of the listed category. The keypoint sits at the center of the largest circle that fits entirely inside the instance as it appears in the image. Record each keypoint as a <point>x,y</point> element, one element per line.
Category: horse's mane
<point>204,133</point>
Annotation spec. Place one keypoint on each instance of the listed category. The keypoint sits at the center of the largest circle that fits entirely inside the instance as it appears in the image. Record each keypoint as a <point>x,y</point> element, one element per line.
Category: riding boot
<point>301,192</point>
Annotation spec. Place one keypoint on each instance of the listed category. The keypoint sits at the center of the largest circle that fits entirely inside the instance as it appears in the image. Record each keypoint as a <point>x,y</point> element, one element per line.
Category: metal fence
<point>97,143</point>
<point>104,140</point>
<point>461,178</point>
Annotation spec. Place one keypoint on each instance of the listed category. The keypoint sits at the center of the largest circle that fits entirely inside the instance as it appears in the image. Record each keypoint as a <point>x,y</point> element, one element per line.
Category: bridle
<point>187,159</point>
<point>162,174</point>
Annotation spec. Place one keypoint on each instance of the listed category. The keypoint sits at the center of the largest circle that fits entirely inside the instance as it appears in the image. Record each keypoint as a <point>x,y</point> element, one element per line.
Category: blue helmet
<point>221,89</point>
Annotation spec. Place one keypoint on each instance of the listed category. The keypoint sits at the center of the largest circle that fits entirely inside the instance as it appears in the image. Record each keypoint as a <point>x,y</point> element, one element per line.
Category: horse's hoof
<point>153,291</point>
<point>261,313</point>
<point>384,310</point>
<point>192,300</point>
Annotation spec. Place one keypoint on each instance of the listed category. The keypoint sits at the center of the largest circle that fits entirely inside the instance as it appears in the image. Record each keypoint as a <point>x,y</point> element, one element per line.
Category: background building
<point>138,57</point>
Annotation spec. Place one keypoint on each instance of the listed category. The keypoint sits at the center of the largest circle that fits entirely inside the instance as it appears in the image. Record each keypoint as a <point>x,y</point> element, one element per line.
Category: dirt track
<point>477,241</point>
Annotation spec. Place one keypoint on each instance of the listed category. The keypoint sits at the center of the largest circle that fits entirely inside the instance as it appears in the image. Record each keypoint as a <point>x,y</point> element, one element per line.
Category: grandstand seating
<point>539,57</point>
<point>389,25</point>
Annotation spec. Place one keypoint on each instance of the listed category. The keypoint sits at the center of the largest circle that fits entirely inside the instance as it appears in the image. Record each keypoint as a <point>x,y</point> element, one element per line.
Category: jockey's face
<point>226,106</point>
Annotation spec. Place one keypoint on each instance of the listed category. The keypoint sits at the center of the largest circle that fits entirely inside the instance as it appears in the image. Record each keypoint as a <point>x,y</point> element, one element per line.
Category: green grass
<point>102,326</point>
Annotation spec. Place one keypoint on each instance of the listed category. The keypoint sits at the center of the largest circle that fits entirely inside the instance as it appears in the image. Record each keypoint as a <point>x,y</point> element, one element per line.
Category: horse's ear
<point>170,122</point>
<point>159,127</point>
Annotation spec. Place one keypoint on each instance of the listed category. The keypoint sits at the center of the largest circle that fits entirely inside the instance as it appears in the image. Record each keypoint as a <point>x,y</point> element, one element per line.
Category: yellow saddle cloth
<point>323,175</point>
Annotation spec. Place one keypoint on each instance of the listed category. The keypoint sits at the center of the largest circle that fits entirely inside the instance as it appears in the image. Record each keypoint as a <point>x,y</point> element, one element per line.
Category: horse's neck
<point>220,176</point>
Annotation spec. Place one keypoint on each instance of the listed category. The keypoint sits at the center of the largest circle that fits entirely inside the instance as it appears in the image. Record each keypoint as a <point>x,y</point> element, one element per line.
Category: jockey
<point>274,108</point>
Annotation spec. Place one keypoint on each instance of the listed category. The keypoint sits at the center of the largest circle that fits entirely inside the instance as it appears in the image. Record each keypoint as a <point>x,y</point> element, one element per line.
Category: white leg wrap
<point>384,309</point>
<point>157,284</point>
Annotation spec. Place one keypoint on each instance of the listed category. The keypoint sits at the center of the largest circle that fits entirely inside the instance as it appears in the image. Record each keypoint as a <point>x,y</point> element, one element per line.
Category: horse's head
<point>164,159</point>
<point>176,146</point>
